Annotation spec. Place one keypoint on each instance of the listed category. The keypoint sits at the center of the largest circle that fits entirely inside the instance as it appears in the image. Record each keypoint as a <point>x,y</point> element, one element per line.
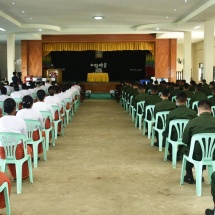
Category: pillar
<point>187,57</point>
<point>208,51</point>
<point>10,56</point>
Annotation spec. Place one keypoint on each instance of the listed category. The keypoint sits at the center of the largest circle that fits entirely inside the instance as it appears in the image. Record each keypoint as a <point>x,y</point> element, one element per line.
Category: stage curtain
<point>117,46</point>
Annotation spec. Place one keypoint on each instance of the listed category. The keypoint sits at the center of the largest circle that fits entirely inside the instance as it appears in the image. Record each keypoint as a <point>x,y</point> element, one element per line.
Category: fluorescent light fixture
<point>157,29</point>
<point>197,27</point>
<point>2,29</point>
<point>40,29</point>
<point>98,17</point>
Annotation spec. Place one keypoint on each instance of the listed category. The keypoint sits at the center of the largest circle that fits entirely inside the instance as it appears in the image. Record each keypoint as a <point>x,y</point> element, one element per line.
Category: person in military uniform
<point>187,91</point>
<point>212,99</point>
<point>204,123</point>
<point>164,105</point>
<point>175,91</point>
<point>153,98</point>
<point>181,112</point>
<point>198,95</point>
<point>134,92</point>
<point>141,96</point>
<point>209,211</point>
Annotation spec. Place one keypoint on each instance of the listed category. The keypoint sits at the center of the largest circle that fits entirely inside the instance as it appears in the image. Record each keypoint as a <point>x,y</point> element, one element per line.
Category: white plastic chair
<point>149,113</point>
<point>69,110</point>
<point>33,125</point>
<point>213,110</point>
<point>195,105</point>
<point>179,126</point>
<point>56,122</point>
<point>10,141</point>
<point>160,116</point>
<point>207,144</point>
<point>188,102</point>
<point>139,113</point>
<point>48,116</point>
<point>174,99</point>
<point>4,188</point>
<point>18,101</point>
<point>130,105</point>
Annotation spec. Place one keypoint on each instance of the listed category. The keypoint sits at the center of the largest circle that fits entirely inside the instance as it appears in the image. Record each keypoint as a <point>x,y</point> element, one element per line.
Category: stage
<point>99,87</point>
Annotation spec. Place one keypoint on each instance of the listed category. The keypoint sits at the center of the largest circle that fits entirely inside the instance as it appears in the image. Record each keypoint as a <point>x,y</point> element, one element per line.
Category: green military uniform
<point>152,99</point>
<point>140,97</point>
<point>198,96</point>
<point>174,92</point>
<point>182,112</point>
<point>134,93</point>
<point>212,100</point>
<point>205,123</point>
<point>164,105</point>
<point>188,93</point>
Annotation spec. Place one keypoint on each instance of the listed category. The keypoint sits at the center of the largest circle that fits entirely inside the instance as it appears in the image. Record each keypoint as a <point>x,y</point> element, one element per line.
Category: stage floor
<point>100,87</point>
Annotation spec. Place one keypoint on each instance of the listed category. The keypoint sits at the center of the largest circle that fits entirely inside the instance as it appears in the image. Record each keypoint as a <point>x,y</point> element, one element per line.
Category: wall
<point>3,59</point>
<point>198,57</point>
<point>180,55</point>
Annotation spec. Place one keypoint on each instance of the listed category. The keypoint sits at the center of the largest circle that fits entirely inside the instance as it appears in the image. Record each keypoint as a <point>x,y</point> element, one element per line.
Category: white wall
<point>180,55</point>
<point>3,59</point>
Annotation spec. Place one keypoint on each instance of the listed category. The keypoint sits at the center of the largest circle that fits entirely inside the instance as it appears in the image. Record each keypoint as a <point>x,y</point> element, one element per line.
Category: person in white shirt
<point>24,90</point>
<point>52,98</point>
<point>12,123</point>
<point>17,93</point>
<point>41,105</point>
<point>47,85</point>
<point>28,113</point>
<point>4,95</point>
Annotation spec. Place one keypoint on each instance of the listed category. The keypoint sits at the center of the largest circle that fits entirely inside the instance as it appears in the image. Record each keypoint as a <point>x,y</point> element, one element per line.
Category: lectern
<point>53,73</point>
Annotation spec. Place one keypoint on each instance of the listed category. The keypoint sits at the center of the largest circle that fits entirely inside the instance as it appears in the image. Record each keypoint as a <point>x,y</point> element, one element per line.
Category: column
<point>10,56</point>
<point>208,51</point>
<point>187,57</point>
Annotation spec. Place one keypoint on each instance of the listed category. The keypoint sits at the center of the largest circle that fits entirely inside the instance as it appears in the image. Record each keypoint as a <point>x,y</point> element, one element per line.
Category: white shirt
<point>53,100</point>
<point>31,114</point>
<point>14,124</point>
<point>42,106</point>
<point>16,94</point>
<point>3,97</point>
<point>24,92</point>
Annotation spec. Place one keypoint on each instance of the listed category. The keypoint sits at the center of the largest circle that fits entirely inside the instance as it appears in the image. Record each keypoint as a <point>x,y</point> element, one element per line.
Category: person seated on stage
<point>12,123</point>
<point>28,113</point>
<point>17,93</point>
<point>4,95</point>
<point>4,178</point>
<point>181,112</point>
<point>204,123</point>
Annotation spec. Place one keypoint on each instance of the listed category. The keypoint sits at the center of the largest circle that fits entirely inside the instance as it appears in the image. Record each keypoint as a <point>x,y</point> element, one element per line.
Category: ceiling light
<point>2,29</point>
<point>31,18</point>
<point>157,29</point>
<point>98,17</point>
<point>13,2</point>
<point>185,0</point>
<point>197,27</point>
<point>40,29</point>
<point>167,17</point>
<point>23,11</point>
<point>175,9</point>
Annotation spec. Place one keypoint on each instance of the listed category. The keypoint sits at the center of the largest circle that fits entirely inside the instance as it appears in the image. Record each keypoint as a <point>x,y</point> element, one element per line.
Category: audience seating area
<point>144,119</point>
<point>70,103</point>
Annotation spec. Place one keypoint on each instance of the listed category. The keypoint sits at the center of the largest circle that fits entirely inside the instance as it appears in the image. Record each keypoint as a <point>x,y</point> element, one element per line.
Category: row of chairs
<point>145,115</point>
<point>10,141</point>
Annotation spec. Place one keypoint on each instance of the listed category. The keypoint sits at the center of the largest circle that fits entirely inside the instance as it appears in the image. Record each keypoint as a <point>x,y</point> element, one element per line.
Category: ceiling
<point>29,19</point>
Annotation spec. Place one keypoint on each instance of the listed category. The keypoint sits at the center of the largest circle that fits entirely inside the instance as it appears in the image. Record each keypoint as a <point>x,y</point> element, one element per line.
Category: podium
<point>53,73</point>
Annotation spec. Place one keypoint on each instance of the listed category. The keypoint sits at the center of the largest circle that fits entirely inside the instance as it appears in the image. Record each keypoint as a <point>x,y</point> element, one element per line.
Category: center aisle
<point>105,166</point>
